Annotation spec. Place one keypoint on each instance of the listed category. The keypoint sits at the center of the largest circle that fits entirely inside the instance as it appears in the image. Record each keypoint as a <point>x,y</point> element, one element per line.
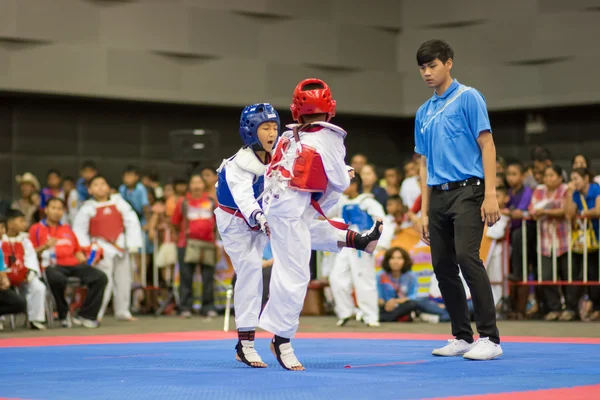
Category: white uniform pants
<point>35,294</point>
<point>355,269</point>
<point>118,271</point>
<point>494,271</point>
<point>294,231</point>
<point>245,249</point>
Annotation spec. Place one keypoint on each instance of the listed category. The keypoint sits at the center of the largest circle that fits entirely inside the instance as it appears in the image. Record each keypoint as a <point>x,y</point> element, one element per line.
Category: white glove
<point>261,220</point>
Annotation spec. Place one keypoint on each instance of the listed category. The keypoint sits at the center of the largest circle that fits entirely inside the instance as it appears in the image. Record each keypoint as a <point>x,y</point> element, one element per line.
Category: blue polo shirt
<point>446,132</point>
<point>590,202</point>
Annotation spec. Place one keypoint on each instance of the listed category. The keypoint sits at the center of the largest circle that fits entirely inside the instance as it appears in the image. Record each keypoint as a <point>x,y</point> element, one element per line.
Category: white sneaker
<point>484,349</point>
<point>430,318</point>
<point>86,323</point>
<point>373,324</point>
<point>455,347</point>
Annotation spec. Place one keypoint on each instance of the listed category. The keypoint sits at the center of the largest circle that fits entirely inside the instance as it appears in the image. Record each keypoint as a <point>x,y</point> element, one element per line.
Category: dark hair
<point>53,171</point>
<point>385,264</point>
<point>503,178</point>
<point>541,154</point>
<point>516,163</point>
<point>587,160</point>
<point>13,214</point>
<point>359,155</point>
<point>357,179</point>
<point>52,199</point>
<point>374,168</point>
<point>409,161</point>
<point>179,181</point>
<point>395,197</point>
<point>131,169</point>
<point>3,221</point>
<point>503,189</point>
<point>196,174</point>
<point>89,164</point>
<point>558,170</point>
<point>583,172</point>
<point>432,49</point>
<point>152,174</point>
<point>98,176</point>
<point>68,179</point>
<point>211,169</point>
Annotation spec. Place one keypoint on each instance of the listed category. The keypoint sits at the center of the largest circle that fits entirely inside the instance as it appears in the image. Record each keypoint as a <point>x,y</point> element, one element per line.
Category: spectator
<point>136,194</point>
<point>410,189</point>
<point>396,286</point>
<point>29,186</point>
<point>180,187</point>
<point>581,161</point>
<point>10,301</point>
<point>210,177</point>
<point>113,225</point>
<point>49,237</point>
<point>548,208</point>
<point>151,182</point>
<point>500,165</point>
<point>18,253</point>
<point>368,175</point>
<point>87,172</point>
<point>542,159</point>
<point>583,205</point>
<point>53,188</point>
<point>358,161</point>
<point>194,219</point>
<point>70,197</point>
<point>168,191</point>
<point>392,181</point>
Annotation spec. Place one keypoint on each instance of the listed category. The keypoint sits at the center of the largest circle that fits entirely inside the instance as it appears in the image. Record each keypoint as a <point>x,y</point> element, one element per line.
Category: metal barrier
<point>555,281</point>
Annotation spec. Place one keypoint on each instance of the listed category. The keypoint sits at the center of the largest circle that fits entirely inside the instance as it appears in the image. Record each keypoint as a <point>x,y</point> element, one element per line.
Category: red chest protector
<point>107,223</point>
<point>308,172</point>
<point>17,271</point>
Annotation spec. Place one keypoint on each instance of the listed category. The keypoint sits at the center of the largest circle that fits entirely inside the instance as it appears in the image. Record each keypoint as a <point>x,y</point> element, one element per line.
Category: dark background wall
<point>37,133</point>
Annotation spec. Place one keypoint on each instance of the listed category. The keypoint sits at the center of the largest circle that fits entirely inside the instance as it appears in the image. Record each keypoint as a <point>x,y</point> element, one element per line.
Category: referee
<point>458,184</point>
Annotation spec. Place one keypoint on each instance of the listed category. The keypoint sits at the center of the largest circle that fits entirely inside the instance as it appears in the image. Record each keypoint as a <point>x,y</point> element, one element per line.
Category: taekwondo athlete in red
<point>20,258</point>
<point>114,226</point>
<point>307,173</point>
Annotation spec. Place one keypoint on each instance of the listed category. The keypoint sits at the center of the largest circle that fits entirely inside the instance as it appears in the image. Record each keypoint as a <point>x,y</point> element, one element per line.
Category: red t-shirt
<point>200,221</point>
<point>66,245</point>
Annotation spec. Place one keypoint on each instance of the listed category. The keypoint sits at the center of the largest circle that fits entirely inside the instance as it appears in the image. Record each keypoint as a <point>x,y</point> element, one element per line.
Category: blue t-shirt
<point>590,201</point>
<point>137,198</point>
<point>2,267</point>
<point>388,288</point>
<point>446,132</point>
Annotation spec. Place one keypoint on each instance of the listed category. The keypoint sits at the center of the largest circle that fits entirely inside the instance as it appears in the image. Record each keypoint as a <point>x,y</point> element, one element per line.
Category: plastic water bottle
<point>93,252</point>
<point>53,256</point>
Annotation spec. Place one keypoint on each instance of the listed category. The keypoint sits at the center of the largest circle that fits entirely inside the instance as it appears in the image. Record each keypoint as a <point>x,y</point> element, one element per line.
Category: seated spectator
<point>29,186</point>
<point>194,219</point>
<point>368,175</point>
<point>396,286</point>
<point>583,207</point>
<point>548,208</point>
<point>20,257</point>
<point>113,225</point>
<point>53,240</point>
<point>434,305</point>
<point>10,301</point>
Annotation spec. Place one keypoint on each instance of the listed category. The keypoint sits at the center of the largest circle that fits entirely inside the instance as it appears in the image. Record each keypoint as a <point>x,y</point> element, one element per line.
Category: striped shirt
<point>550,226</point>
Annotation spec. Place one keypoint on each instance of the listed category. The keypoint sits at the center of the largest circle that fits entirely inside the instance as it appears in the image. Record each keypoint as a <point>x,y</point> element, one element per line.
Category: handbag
<point>197,251</point>
<point>584,234</point>
<point>167,252</point>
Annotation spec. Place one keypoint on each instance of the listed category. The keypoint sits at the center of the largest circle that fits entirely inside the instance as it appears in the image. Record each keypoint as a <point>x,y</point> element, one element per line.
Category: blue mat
<point>207,370</point>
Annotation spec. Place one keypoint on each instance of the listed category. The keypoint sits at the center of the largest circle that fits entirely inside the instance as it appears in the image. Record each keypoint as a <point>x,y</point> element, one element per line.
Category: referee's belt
<point>455,185</point>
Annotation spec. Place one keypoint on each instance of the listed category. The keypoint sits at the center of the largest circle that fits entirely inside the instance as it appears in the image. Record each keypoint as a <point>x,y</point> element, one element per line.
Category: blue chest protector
<point>224,195</point>
<point>353,215</point>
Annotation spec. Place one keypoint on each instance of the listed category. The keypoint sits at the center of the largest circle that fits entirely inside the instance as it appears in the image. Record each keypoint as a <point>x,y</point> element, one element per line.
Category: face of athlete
<point>99,189</point>
<point>54,211</point>
<point>436,73</point>
<point>267,134</point>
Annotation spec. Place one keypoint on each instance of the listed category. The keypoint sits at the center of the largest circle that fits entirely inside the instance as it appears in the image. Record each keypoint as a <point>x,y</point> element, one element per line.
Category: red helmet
<point>314,100</point>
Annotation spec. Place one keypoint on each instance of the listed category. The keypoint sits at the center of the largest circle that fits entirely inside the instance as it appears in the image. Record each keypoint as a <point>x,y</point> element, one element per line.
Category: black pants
<point>266,276</point>
<point>93,278</point>
<point>403,309</point>
<point>455,231</point>
<point>186,279</point>
<point>11,302</point>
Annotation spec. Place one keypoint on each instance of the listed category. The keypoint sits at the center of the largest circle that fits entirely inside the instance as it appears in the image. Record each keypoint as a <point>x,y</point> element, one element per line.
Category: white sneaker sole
<point>482,359</point>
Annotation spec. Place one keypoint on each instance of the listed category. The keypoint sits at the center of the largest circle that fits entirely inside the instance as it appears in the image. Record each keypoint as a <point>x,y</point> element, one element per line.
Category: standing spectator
<point>194,219</point>
<point>113,225</point>
<point>392,181</point>
<point>51,236</point>
<point>410,189</point>
<point>358,161</point>
<point>583,206</point>
<point>136,194</point>
<point>210,177</point>
<point>581,161</point>
<point>53,188</point>
<point>18,253</point>
<point>87,172</point>
<point>548,208</point>
<point>30,186</point>
<point>368,175</point>
<point>495,236</point>
<point>70,197</point>
<point>180,187</point>
<point>151,182</point>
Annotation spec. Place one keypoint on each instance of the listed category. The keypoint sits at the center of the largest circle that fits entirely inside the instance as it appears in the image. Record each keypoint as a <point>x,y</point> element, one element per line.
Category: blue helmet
<point>252,117</point>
